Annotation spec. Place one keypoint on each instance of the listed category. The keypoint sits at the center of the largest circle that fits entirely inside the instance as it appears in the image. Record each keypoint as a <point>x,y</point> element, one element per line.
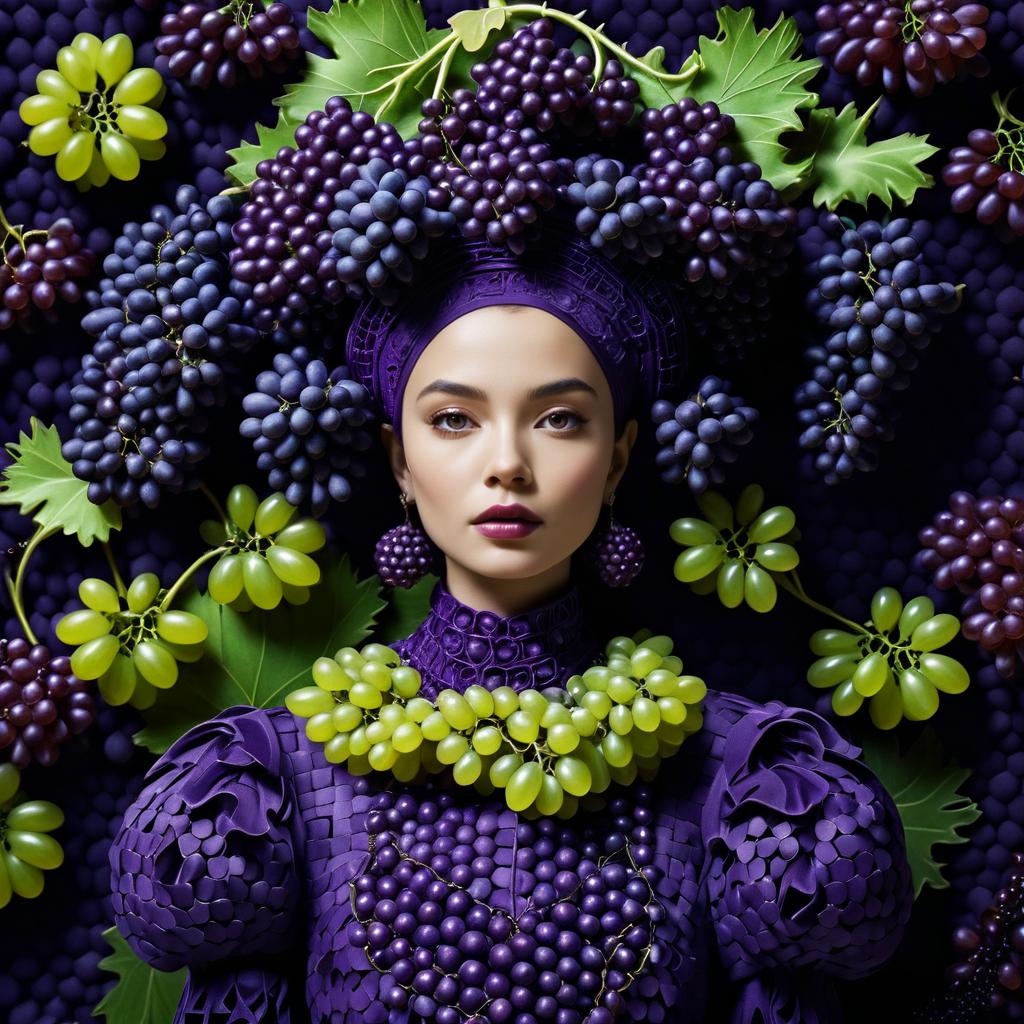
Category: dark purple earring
<point>618,551</point>
<point>404,554</point>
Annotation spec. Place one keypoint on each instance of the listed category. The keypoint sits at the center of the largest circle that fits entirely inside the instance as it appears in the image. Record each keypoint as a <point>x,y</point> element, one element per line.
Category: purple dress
<point>764,853</point>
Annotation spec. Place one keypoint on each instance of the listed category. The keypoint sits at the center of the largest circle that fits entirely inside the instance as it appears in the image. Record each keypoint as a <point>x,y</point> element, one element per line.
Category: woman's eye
<point>563,420</point>
<point>442,422</point>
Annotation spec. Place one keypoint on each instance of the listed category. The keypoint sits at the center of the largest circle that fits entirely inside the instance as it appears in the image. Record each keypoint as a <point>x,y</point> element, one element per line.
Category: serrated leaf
<point>269,140</point>
<point>759,79</point>
<point>847,167</point>
<point>142,994</point>
<point>655,91</point>
<point>923,785</point>
<point>370,40</point>
<point>41,484</point>
<point>407,609</point>
<point>257,657</point>
<point>473,27</point>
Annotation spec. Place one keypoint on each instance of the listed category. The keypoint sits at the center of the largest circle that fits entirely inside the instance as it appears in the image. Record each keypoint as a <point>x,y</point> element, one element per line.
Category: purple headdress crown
<point>626,315</point>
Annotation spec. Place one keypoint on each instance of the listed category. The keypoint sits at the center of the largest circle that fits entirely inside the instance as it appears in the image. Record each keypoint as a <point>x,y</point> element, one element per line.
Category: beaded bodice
<point>457,646</point>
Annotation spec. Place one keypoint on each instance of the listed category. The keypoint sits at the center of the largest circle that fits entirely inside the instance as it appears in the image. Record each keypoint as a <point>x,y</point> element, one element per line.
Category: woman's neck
<point>505,597</point>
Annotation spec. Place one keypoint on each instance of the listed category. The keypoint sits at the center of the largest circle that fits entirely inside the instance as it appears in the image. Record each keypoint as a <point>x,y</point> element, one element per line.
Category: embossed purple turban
<point>628,318</point>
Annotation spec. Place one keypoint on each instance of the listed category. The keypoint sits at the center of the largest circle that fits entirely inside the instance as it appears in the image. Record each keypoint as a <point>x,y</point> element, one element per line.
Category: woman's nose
<point>508,458</point>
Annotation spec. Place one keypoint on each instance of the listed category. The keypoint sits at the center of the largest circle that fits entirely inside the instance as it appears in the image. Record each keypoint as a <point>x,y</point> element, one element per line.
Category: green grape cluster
<point>892,663</point>
<point>95,112</point>
<point>545,749</point>
<point>128,643</point>
<point>26,851</point>
<point>267,555</point>
<point>735,551</point>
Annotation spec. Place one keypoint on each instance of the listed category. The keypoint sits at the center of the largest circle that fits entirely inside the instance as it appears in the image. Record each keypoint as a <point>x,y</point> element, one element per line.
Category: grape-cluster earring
<point>618,551</point>
<point>404,554</point>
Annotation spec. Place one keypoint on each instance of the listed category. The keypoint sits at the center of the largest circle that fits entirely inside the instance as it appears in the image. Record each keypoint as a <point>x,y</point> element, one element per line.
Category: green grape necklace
<point>547,750</point>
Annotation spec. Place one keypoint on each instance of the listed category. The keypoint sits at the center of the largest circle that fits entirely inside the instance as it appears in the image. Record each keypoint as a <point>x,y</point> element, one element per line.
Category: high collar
<point>457,646</point>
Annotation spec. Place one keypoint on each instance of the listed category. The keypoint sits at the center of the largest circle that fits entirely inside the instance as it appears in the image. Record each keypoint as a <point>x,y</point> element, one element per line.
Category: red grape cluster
<point>990,973</point>
<point>282,234</point>
<point>987,175</point>
<point>924,42</point>
<point>205,41</point>
<point>35,273</point>
<point>726,216</point>
<point>42,703</point>
<point>978,547</point>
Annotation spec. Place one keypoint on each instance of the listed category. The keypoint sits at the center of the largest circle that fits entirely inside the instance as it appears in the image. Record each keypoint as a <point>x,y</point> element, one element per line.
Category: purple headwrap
<point>628,319</point>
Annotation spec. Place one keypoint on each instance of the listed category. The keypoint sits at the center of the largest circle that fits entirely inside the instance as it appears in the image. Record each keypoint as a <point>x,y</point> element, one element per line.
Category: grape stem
<point>172,593</point>
<point>445,50</point>
<point>217,506</point>
<point>790,582</point>
<point>108,551</point>
<point>16,586</point>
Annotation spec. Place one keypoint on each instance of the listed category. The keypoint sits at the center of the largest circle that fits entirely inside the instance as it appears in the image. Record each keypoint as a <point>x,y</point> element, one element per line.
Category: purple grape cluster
<point>530,80</point>
<point>383,222</point>
<point>615,100</point>
<point>989,973</point>
<point>700,435</point>
<point>977,546</point>
<point>282,235</point>
<point>986,177</point>
<point>307,425</point>
<point>565,945</point>
<point>735,318</point>
<point>613,214</point>
<point>876,298</point>
<point>501,184</point>
<point>402,556</point>
<point>923,43</point>
<point>727,217</point>
<point>42,703</point>
<point>618,555</point>
<point>204,42</point>
<point>167,320</point>
<point>34,276</point>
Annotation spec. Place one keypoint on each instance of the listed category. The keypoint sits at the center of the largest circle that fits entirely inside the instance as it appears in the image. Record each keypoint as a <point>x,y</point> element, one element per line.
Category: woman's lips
<point>505,528</point>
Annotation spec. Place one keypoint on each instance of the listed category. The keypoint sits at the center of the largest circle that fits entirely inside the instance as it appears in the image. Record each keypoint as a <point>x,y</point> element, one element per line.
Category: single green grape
<point>292,566</point>
<point>99,595</point>
<point>305,536</point>
<point>261,583</point>
<point>118,683</point>
<point>524,785</point>
<point>81,626</point>
<point>155,664</point>
<point>142,592</point>
<point>179,627</point>
<point>456,710</point>
<point>93,658</point>
<point>273,514</point>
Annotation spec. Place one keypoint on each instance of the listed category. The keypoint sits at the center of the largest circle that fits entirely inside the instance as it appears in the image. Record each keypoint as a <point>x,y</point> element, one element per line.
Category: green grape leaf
<point>846,166</point>
<point>371,41</point>
<point>257,657</point>
<point>655,91</point>
<point>142,995</point>
<point>408,608</point>
<point>268,141</point>
<point>473,27</point>
<point>41,484</point>
<point>924,786</point>
<point>759,78</point>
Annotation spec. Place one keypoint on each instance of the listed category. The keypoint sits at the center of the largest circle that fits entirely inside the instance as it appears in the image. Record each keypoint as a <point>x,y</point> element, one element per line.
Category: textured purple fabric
<point>457,646</point>
<point>775,851</point>
<point>628,318</point>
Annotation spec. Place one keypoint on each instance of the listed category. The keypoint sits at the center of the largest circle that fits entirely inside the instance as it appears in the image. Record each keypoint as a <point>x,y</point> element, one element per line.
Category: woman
<point>294,891</point>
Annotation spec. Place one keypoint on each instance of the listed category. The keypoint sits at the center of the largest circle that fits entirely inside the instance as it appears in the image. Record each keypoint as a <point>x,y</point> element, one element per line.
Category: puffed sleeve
<point>807,871</point>
<point>203,866</point>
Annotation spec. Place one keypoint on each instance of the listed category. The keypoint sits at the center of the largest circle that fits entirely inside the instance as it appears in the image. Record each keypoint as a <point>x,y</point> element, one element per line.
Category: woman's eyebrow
<point>555,387</point>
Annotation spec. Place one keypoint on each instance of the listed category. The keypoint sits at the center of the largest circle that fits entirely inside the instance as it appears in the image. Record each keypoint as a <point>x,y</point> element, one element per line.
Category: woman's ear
<point>396,458</point>
<point>620,456</point>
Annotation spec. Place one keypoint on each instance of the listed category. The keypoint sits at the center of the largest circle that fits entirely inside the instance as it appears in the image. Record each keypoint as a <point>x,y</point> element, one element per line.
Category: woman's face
<point>508,405</point>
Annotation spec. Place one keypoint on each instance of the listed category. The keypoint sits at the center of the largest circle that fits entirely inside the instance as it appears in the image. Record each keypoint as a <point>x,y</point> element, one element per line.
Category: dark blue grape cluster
<point>612,212</point>
<point>564,946</point>
<point>167,319</point>
<point>382,222</point>
<point>701,435</point>
<point>282,236</point>
<point>879,303</point>
<point>307,426</point>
